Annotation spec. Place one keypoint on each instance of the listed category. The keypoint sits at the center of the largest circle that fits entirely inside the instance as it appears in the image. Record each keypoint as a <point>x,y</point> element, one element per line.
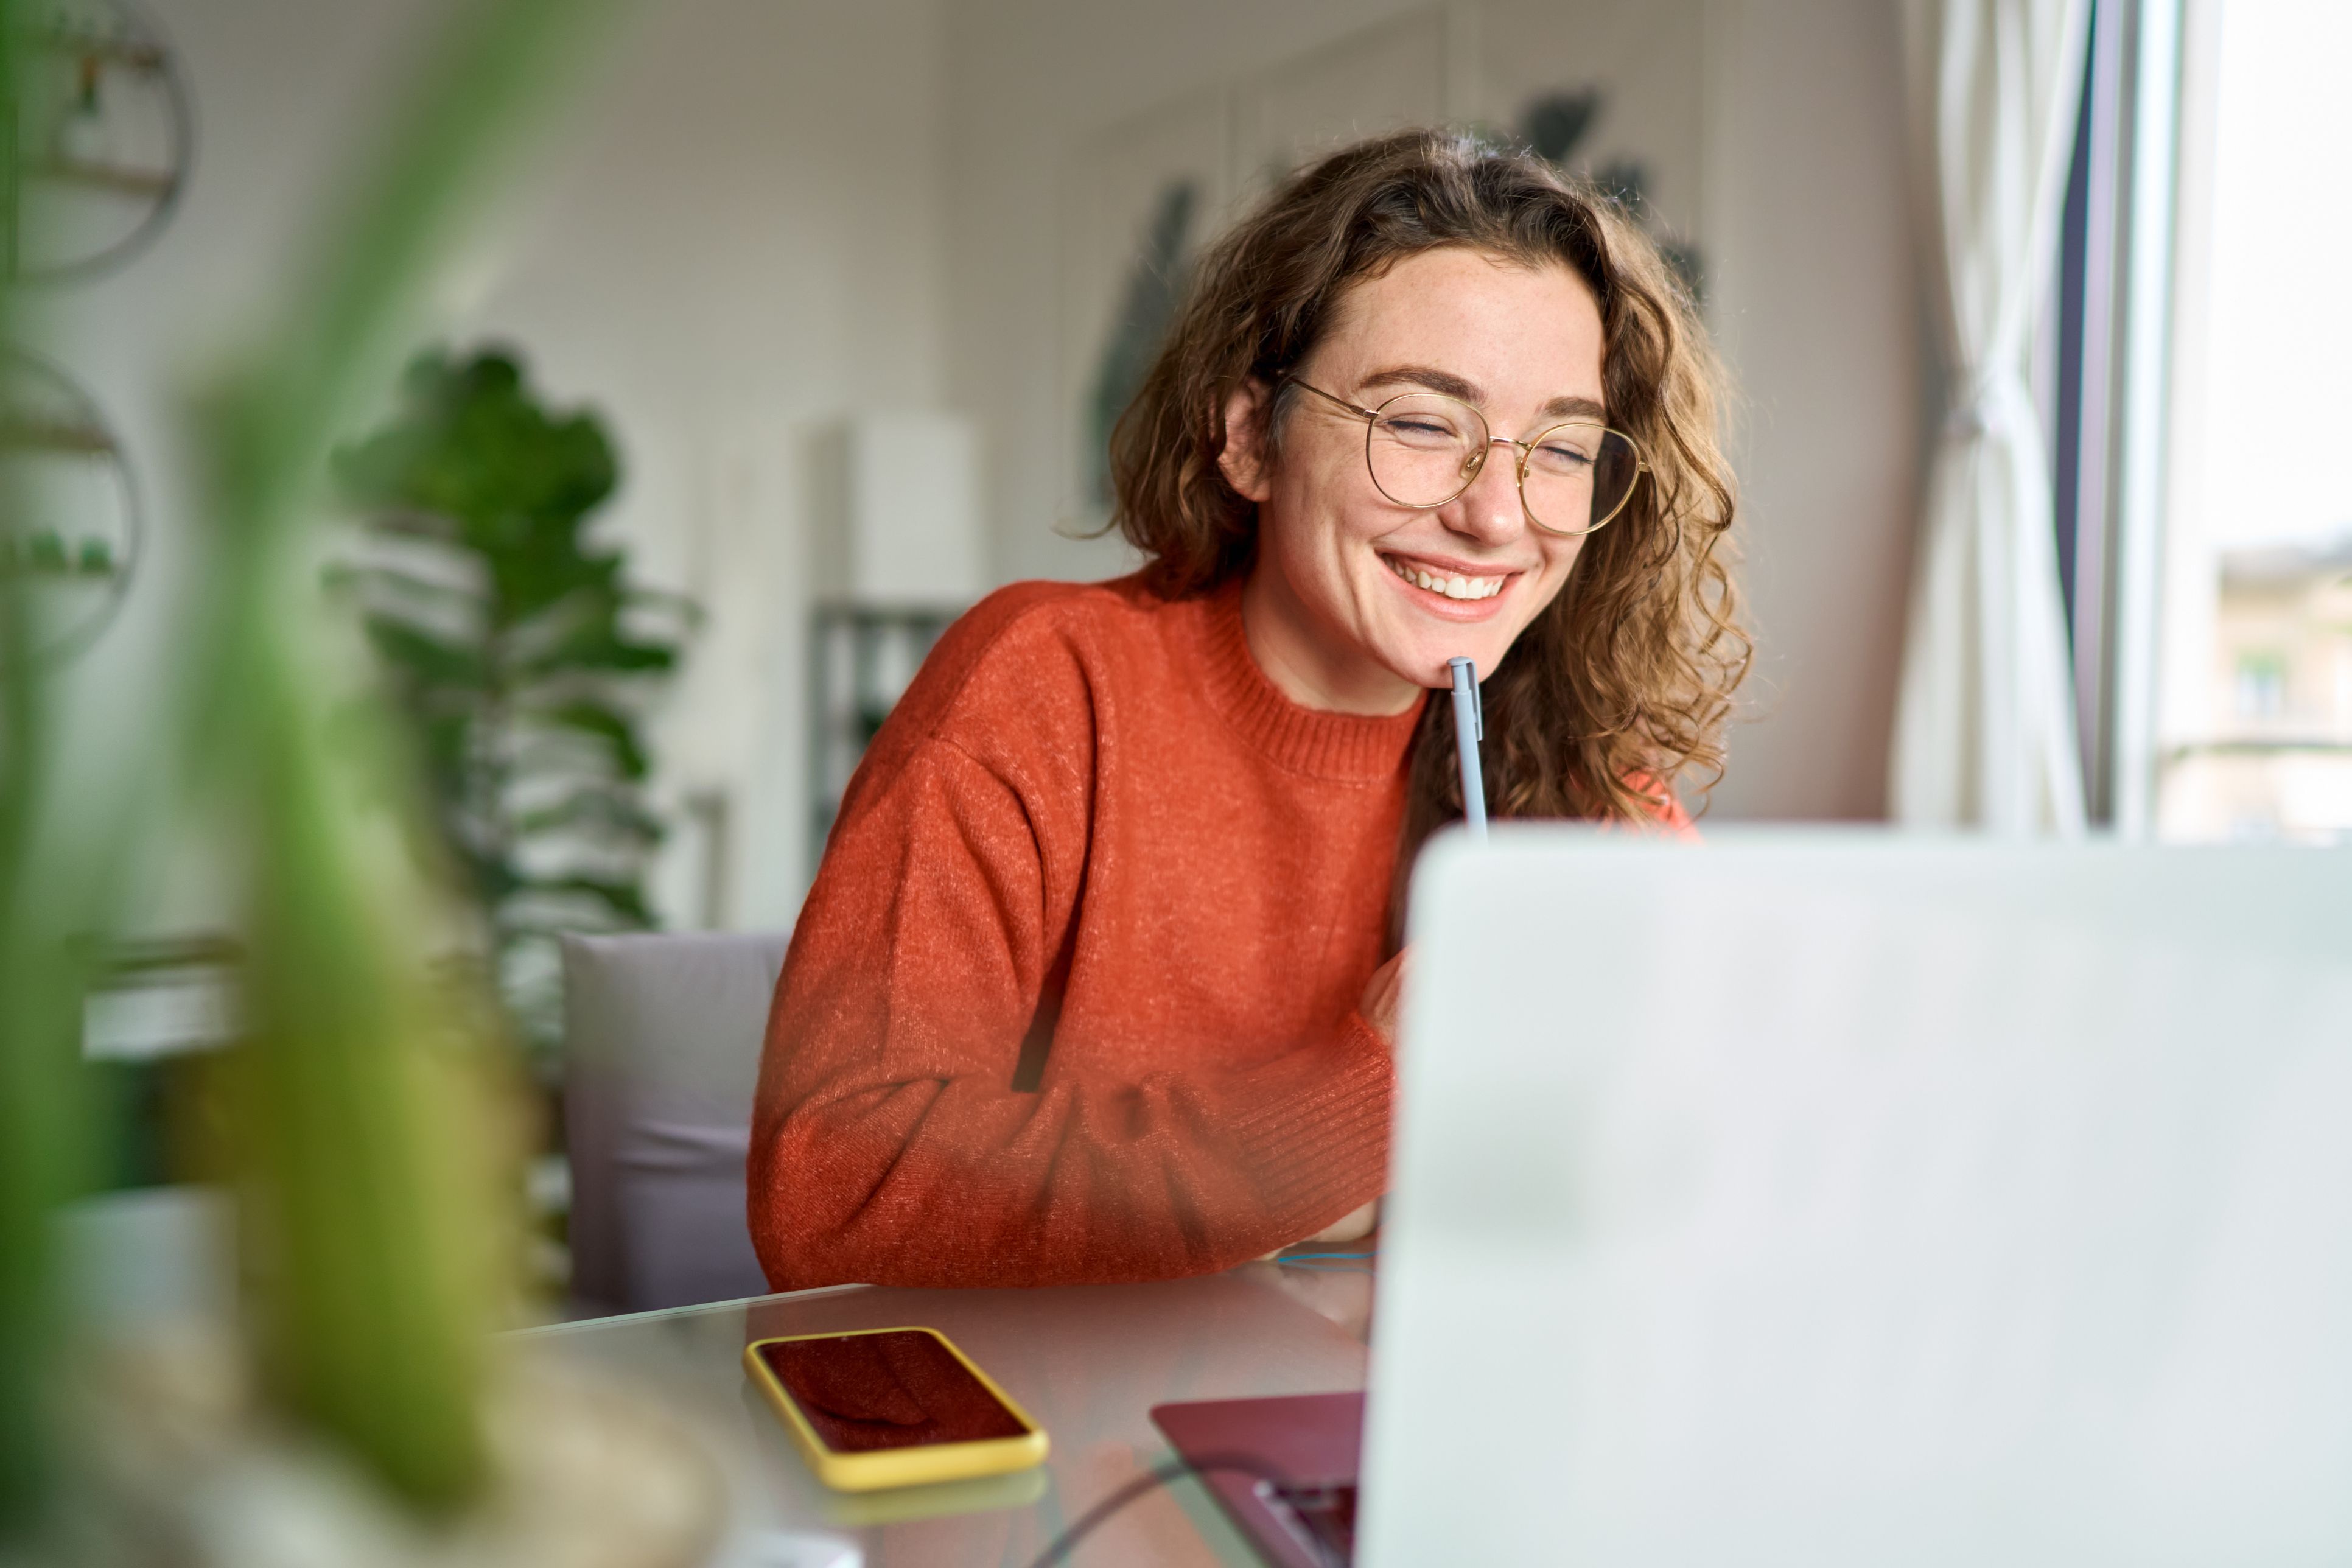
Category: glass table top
<point>1088,1361</point>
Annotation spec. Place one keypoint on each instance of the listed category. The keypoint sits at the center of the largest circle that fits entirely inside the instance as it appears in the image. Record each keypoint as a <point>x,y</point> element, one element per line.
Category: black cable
<point>1062,1545</point>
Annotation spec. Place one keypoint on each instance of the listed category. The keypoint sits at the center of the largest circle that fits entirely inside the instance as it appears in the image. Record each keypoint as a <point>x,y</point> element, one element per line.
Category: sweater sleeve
<point>889,1145</point>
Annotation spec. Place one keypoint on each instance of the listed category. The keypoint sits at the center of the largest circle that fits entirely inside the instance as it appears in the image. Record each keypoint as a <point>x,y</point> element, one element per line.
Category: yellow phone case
<point>898,1467</point>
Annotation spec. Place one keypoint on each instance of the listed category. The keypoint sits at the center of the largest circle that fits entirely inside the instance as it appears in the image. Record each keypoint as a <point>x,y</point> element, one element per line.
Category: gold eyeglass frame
<point>1525,449</point>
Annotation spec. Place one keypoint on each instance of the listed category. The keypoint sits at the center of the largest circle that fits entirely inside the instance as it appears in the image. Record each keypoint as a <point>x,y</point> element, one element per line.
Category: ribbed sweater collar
<point>1344,746</point>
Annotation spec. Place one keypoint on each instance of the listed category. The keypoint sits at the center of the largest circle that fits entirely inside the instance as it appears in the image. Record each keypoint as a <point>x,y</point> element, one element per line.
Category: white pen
<point>1469,729</point>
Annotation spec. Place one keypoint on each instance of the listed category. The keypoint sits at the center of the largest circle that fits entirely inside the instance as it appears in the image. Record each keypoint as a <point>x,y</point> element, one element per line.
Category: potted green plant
<point>519,651</point>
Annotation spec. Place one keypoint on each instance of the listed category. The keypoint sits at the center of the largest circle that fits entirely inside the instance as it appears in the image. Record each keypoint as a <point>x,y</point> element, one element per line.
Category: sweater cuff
<point>1322,1148</point>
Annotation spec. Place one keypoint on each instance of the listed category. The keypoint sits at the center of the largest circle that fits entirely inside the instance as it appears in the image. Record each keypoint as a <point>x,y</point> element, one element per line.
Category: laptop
<point>1836,1198</point>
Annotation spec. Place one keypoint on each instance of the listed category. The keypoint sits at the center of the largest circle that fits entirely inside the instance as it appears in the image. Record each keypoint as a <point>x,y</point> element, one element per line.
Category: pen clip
<point>1477,705</point>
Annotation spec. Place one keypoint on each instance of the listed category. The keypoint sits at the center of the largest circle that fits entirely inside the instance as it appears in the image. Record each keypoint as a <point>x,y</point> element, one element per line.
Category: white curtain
<point>1984,731</point>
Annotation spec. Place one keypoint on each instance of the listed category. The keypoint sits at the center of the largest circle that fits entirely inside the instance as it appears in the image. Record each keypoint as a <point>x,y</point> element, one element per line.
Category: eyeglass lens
<point>1424,448</point>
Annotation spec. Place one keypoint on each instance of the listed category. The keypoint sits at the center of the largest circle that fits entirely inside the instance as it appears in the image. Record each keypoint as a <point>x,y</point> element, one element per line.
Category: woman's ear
<point>1243,459</point>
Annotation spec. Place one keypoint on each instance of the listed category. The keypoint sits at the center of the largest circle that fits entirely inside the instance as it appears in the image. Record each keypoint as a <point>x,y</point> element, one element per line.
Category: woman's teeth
<point>1452,588</point>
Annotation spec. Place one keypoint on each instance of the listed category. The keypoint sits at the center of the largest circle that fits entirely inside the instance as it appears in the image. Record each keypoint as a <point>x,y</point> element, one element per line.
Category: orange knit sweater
<point>1074,995</point>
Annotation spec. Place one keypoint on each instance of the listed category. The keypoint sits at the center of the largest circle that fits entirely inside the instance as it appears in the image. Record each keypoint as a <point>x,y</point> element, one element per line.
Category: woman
<point>1091,984</point>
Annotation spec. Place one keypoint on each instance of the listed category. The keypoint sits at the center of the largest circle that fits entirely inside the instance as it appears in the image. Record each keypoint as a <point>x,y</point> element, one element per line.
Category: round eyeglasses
<point>1425,449</point>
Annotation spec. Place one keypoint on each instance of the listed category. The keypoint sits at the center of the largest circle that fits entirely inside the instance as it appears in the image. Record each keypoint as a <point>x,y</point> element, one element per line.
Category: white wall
<point>1818,307</point>
<point>1803,219</point>
<point>732,235</point>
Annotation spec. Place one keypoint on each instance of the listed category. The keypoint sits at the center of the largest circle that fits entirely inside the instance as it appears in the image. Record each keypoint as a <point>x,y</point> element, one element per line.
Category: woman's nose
<point>1490,510</point>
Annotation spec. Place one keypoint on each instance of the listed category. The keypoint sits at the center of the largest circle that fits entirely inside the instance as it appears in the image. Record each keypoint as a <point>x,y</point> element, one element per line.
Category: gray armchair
<point>661,1038</point>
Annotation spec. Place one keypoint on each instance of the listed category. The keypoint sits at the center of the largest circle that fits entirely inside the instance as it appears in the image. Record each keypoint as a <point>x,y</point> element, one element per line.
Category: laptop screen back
<point>1835,1198</point>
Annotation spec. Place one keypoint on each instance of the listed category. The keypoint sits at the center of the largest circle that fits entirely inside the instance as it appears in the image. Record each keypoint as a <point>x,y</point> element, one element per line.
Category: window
<point>2255,708</point>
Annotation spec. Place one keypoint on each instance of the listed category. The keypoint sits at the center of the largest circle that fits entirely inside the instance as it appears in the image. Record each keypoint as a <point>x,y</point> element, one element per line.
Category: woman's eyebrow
<point>1453,386</point>
<point>1574,408</point>
<point>1435,380</point>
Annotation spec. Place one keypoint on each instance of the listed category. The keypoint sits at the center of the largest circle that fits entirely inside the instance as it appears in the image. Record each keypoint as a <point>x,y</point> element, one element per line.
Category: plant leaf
<point>592,806</point>
<point>606,724</point>
<point>423,657</point>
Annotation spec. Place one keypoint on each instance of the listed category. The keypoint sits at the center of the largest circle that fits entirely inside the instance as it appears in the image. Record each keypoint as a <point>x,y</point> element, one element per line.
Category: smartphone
<point>891,1408</point>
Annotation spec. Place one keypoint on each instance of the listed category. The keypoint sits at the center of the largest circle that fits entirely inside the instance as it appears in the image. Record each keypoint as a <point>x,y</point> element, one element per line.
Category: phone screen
<point>897,1389</point>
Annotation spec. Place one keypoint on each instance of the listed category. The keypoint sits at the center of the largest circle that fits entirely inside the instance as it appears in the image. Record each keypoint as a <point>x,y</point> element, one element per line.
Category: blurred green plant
<point>519,651</point>
<point>362,1140</point>
<point>45,1122</point>
<point>48,1135</point>
<point>363,1126</point>
<point>53,882</point>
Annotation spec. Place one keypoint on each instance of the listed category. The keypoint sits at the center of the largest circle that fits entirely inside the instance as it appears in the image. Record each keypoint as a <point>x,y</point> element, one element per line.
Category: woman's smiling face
<point>1335,608</point>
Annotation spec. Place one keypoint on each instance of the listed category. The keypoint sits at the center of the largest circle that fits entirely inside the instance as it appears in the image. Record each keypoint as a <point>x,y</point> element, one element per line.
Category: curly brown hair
<point>1620,689</point>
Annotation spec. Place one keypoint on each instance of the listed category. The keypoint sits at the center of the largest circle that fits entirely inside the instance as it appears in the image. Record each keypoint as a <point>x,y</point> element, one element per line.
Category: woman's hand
<point>1352,1227</point>
<point>1381,998</point>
